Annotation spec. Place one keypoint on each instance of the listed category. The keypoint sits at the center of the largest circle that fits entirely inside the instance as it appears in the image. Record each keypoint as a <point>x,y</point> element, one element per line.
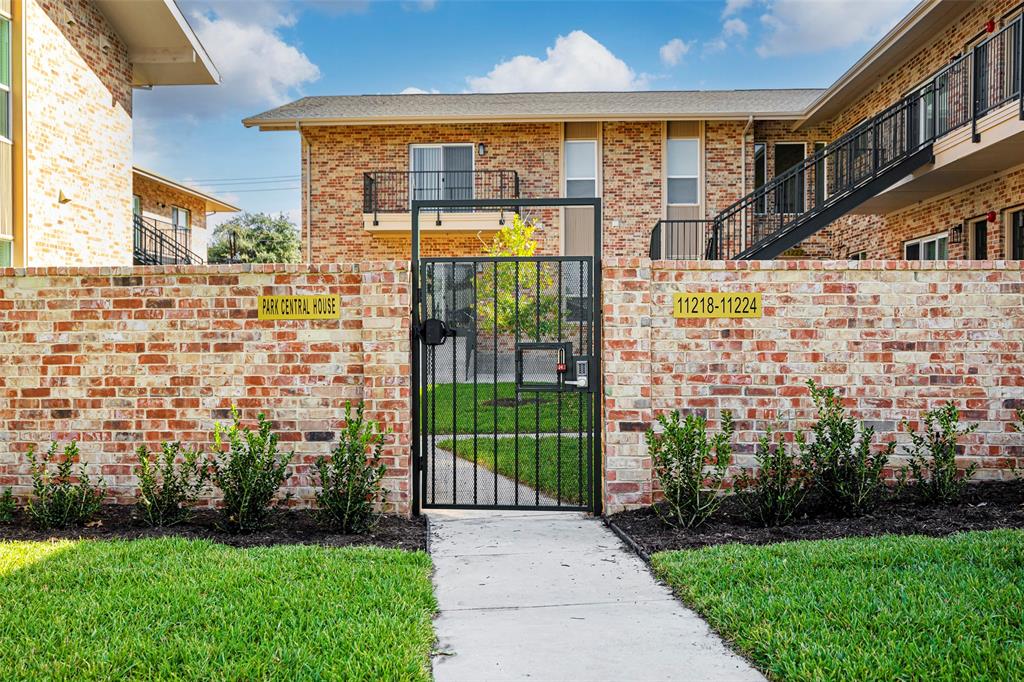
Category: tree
<point>522,287</point>
<point>255,238</point>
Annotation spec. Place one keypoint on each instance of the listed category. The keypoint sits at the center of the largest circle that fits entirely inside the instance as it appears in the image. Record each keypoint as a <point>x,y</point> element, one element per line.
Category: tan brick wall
<point>79,137</point>
<point>133,356</point>
<point>632,171</point>
<point>896,338</point>
<point>157,201</point>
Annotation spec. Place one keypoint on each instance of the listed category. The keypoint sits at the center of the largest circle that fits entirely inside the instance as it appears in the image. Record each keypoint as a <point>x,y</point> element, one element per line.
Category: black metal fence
<point>394,191</point>
<point>987,77</point>
<point>156,242</point>
<point>680,239</point>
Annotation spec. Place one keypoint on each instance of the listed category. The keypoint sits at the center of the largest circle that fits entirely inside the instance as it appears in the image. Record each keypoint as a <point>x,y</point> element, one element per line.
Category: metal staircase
<point>809,196</point>
<point>870,158</point>
<point>156,245</point>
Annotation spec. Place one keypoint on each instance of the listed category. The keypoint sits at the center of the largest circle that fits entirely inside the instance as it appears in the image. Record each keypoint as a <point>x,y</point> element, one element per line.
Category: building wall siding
<point>79,137</point>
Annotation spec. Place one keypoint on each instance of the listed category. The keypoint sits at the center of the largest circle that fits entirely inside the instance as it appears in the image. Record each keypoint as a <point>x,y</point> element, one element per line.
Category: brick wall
<point>896,338</point>
<point>79,137</point>
<point>157,201</point>
<point>632,187</point>
<point>121,357</point>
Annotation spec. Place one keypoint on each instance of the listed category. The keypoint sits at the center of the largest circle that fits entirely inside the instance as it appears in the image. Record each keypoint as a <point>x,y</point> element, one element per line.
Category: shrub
<point>690,466</point>
<point>844,472</point>
<point>350,481</point>
<point>58,501</point>
<point>932,463</point>
<point>249,474</point>
<point>772,496</point>
<point>169,483</point>
<point>6,506</point>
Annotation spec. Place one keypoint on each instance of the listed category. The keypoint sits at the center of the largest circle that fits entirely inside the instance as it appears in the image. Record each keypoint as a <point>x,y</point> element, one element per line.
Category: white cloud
<point>420,5</point>
<point>713,46</point>
<point>258,68</point>
<point>735,28</point>
<point>735,6</point>
<point>576,62</point>
<point>812,26</point>
<point>418,91</point>
<point>673,51</point>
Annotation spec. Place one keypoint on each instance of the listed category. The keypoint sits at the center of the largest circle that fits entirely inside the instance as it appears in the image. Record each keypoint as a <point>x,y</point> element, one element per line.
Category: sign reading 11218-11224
<point>716,304</point>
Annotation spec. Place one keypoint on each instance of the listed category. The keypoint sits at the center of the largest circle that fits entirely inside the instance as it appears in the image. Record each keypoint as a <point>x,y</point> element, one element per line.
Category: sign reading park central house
<point>315,307</point>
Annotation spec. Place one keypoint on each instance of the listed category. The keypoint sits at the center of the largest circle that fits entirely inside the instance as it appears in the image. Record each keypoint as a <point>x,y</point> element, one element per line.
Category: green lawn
<point>191,609</point>
<point>884,608</point>
<point>554,478</point>
<point>542,416</point>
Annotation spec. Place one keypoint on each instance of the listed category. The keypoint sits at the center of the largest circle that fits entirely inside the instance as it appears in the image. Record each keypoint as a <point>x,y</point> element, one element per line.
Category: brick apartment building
<point>915,152</point>
<point>67,73</point>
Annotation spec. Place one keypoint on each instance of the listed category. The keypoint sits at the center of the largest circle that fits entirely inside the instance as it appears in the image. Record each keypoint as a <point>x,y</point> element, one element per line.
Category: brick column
<point>627,382</point>
<point>386,297</point>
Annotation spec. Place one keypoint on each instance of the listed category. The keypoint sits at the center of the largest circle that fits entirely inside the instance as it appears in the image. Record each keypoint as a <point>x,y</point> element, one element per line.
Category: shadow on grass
<point>192,609</point>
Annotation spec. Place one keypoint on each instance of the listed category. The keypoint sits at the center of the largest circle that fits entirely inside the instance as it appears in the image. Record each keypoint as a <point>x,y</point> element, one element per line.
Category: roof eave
<point>213,204</point>
<point>294,123</point>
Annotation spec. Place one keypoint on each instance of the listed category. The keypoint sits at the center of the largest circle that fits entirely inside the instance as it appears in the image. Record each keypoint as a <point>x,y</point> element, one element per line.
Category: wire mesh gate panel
<point>506,405</point>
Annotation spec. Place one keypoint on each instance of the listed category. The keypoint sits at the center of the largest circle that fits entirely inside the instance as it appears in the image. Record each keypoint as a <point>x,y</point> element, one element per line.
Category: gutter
<point>309,193</point>
<point>743,193</point>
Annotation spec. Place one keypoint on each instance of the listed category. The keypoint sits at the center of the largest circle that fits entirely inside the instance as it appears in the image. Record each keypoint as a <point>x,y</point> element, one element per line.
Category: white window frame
<point>9,96</point>
<point>188,214</point>
<point>922,241</point>
<point>695,177</point>
<point>136,199</point>
<point>858,255</point>
<point>565,152</point>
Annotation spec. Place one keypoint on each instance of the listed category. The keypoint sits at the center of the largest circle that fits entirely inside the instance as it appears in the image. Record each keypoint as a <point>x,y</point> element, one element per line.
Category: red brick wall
<point>117,358</point>
<point>896,338</point>
<point>632,167</point>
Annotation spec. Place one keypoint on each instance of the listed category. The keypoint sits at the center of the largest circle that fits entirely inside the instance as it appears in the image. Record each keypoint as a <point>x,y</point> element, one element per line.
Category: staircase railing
<point>960,93</point>
<point>156,246</point>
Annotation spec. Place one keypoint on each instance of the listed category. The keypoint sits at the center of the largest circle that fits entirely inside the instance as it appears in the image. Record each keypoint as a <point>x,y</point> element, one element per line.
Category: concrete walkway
<point>556,596</point>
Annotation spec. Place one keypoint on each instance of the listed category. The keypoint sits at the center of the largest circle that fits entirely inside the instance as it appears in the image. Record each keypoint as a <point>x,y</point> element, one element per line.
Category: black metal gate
<point>506,379</point>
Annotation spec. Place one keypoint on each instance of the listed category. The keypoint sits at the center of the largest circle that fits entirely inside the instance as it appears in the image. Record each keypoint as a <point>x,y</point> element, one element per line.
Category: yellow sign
<point>317,307</point>
<point>716,304</point>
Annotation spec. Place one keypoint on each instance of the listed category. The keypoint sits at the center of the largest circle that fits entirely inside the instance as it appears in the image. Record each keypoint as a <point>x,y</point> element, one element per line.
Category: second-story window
<point>581,168</point>
<point>5,78</point>
<point>683,171</point>
<point>136,205</point>
<point>441,171</point>
<point>181,218</point>
<point>1016,250</point>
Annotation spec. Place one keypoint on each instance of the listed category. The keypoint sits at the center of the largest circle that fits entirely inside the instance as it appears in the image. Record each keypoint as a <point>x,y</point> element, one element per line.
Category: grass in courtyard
<point>882,608</point>
<point>191,609</point>
<point>563,468</point>
<point>538,412</point>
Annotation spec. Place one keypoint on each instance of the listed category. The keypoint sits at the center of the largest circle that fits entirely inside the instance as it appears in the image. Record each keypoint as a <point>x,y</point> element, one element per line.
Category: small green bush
<point>58,501</point>
<point>690,466</point>
<point>844,472</point>
<point>350,481</point>
<point>249,473</point>
<point>772,496</point>
<point>170,482</point>
<point>6,506</point>
<point>932,464</point>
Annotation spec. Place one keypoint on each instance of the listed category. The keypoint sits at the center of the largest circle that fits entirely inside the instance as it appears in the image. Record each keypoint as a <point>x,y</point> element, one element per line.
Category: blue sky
<point>273,51</point>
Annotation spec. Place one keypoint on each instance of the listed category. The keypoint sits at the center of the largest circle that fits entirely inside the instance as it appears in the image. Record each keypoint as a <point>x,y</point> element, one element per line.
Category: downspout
<point>743,156</point>
<point>308,199</point>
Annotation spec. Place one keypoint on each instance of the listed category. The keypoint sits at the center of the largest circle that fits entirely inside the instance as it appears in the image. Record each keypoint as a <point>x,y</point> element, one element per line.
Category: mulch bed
<point>983,506</point>
<point>118,522</point>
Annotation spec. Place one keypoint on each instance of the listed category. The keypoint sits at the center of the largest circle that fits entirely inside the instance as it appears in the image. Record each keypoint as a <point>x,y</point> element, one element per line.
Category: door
<point>790,193</point>
<point>441,172</point>
<point>506,404</point>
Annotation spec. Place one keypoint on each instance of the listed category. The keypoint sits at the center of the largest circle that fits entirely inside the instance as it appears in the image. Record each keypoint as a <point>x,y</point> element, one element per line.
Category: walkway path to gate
<point>555,596</point>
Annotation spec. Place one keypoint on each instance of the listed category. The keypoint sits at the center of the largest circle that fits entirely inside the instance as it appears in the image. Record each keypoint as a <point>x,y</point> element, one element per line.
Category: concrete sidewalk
<point>555,596</point>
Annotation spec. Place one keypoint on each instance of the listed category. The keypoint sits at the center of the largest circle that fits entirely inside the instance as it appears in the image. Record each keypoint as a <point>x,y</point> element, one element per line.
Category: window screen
<point>683,171</point>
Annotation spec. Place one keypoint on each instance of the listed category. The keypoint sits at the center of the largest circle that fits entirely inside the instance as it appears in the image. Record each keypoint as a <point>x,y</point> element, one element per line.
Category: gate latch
<point>582,372</point>
<point>434,332</point>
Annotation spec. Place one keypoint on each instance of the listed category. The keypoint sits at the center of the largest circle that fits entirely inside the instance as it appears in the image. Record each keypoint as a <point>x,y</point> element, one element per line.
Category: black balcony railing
<point>160,243</point>
<point>394,191</point>
<point>680,239</point>
<point>866,160</point>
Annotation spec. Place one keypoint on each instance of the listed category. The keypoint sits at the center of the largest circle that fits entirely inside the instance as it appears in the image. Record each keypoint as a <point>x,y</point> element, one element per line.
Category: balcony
<point>388,197</point>
<point>157,242</point>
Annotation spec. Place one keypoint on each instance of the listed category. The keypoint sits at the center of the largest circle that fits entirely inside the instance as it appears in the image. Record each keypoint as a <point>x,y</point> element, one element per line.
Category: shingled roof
<point>676,104</point>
